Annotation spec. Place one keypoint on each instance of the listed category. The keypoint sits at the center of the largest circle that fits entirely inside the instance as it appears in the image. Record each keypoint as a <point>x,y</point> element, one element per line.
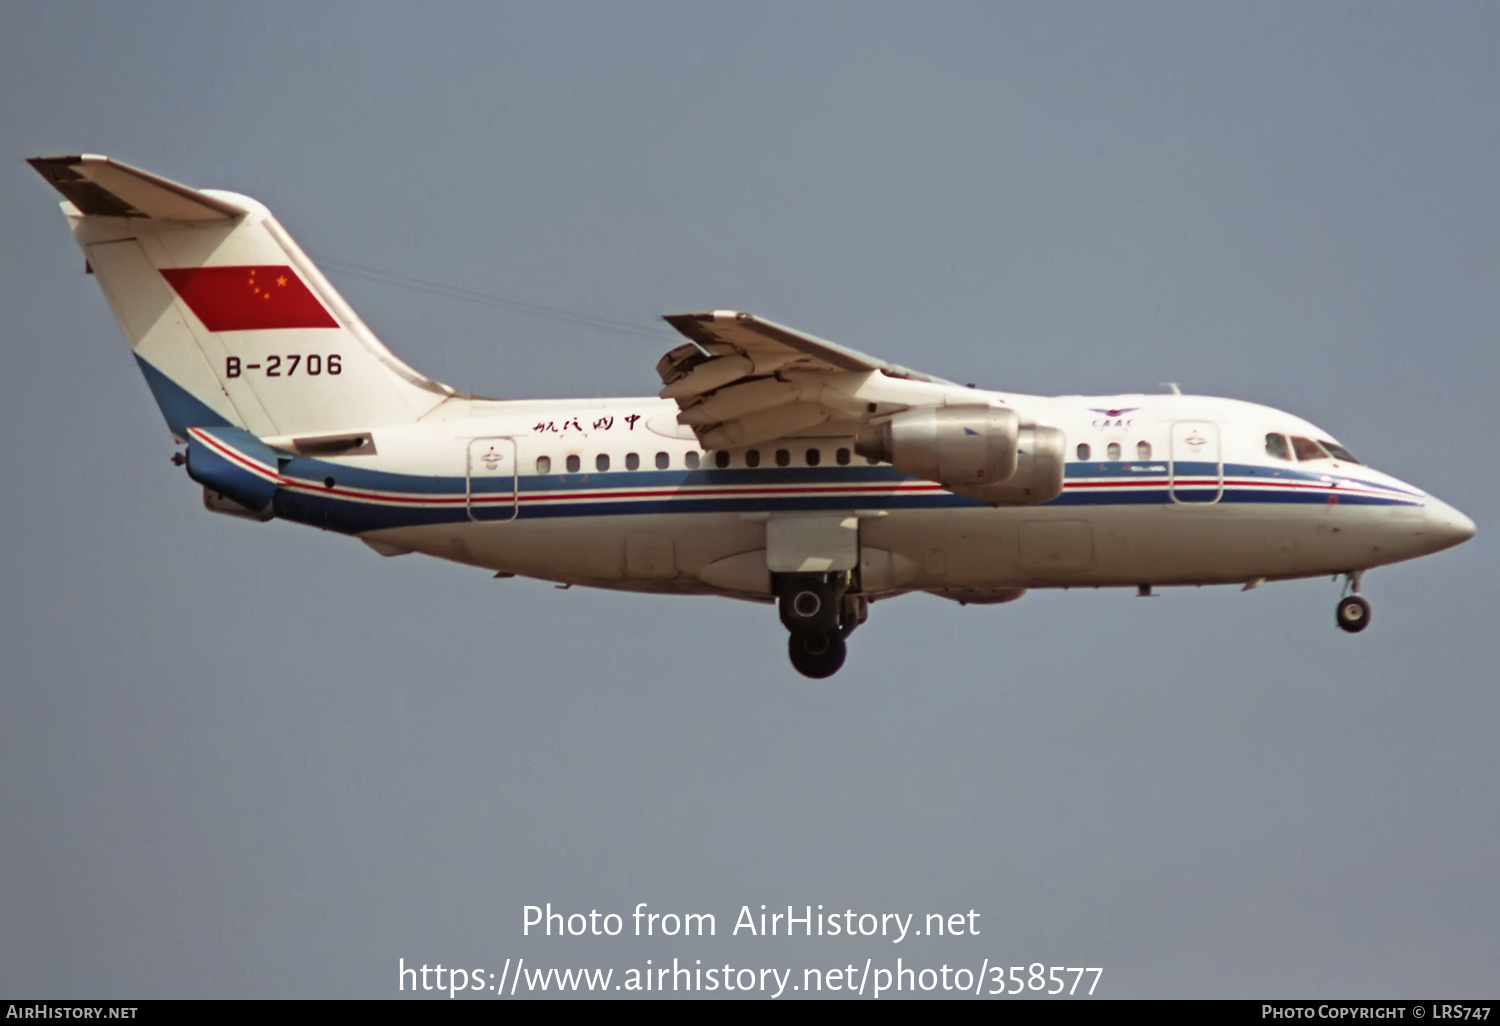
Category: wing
<point>744,380</point>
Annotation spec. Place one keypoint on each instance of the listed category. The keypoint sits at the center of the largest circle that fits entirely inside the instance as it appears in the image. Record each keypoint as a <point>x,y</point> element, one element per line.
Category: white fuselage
<point>1160,490</point>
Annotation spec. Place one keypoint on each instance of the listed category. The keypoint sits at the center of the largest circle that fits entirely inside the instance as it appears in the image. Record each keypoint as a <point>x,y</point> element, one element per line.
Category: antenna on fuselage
<point>1172,385</point>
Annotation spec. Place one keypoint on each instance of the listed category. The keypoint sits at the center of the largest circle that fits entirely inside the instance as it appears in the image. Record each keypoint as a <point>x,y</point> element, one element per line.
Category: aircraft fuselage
<point>1174,490</point>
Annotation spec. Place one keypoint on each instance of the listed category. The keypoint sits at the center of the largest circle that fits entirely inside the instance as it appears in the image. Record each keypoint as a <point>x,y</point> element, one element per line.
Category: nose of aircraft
<point>1446,526</point>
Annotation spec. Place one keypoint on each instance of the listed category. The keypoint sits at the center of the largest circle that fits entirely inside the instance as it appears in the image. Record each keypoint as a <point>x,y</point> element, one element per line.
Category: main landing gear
<point>820,611</point>
<point>1353,612</point>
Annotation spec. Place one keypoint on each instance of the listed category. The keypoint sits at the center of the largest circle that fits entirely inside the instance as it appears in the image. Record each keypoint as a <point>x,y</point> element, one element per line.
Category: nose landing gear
<point>1353,614</point>
<point>819,611</point>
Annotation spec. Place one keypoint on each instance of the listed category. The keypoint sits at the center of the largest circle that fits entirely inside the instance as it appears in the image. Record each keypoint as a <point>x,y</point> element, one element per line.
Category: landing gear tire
<point>816,654</point>
<point>1353,614</point>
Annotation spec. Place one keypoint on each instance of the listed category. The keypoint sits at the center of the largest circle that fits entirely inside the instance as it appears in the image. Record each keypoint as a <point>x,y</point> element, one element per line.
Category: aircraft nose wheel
<point>816,654</point>
<point>1353,614</point>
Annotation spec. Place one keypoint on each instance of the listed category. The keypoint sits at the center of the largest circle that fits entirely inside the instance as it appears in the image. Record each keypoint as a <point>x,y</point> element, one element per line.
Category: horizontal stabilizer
<point>100,187</point>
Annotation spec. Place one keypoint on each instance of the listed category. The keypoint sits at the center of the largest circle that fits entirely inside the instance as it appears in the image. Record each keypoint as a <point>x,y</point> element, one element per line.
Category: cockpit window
<point>1337,451</point>
<point>1276,446</point>
<point>1307,449</point>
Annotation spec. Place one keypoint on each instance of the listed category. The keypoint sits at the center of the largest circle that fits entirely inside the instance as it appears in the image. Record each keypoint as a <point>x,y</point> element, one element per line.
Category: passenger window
<point>663,461</point>
<point>1338,451</point>
<point>691,459</point>
<point>601,461</point>
<point>814,457</point>
<point>632,461</point>
<point>1113,450</point>
<point>1143,450</point>
<point>573,464</point>
<point>721,459</point>
<point>842,457</point>
<point>783,458</point>
<point>1306,449</point>
<point>544,464</point>
<point>1084,452</point>
<point>1276,446</point>
<point>752,457</point>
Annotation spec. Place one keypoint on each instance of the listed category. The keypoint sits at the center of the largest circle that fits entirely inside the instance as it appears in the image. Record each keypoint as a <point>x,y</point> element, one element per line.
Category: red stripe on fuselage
<point>234,455</point>
<point>702,492</point>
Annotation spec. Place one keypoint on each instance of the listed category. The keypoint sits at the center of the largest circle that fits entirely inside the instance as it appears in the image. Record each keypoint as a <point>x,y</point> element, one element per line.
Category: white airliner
<point>773,466</point>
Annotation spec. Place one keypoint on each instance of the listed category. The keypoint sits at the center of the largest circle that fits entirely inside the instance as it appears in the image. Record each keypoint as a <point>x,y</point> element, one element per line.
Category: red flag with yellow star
<point>248,298</point>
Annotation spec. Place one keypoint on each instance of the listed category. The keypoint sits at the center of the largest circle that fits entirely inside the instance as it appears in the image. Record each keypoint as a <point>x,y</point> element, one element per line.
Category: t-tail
<point>231,323</point>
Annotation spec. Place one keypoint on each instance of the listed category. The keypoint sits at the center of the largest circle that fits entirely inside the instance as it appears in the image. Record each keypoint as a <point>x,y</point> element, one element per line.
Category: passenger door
<point>490,492</point>
<point>1197,464</point>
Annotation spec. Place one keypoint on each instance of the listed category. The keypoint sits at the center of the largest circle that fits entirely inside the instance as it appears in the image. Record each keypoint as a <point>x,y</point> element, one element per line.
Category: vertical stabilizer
<point>230,321</point>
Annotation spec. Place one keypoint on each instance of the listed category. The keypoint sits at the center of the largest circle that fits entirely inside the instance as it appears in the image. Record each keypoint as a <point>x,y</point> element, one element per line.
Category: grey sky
<point>241,760</point>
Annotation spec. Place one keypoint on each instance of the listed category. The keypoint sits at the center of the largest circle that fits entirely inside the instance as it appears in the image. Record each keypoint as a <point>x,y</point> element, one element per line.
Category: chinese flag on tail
<point>248,298</point>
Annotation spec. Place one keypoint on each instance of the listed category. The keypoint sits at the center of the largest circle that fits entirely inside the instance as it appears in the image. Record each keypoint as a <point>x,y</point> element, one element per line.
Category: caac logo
<point>1114,418</point>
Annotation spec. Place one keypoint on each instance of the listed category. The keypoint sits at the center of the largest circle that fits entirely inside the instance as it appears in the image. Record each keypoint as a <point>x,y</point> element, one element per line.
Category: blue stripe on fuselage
<point>1114,485</point>
<point>1144,474</point>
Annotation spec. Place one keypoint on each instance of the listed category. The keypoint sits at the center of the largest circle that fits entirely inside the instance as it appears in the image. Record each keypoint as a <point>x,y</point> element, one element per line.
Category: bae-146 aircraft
<point>772,466</point>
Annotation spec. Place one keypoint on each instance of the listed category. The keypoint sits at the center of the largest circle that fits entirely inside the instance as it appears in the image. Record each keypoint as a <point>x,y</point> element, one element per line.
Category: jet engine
<point>984,452</point>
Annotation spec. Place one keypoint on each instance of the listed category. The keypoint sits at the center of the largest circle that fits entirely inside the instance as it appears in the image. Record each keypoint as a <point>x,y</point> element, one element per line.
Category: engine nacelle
<point>980,451</point>
<point>1040,465</point>
<point>959,447</point>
